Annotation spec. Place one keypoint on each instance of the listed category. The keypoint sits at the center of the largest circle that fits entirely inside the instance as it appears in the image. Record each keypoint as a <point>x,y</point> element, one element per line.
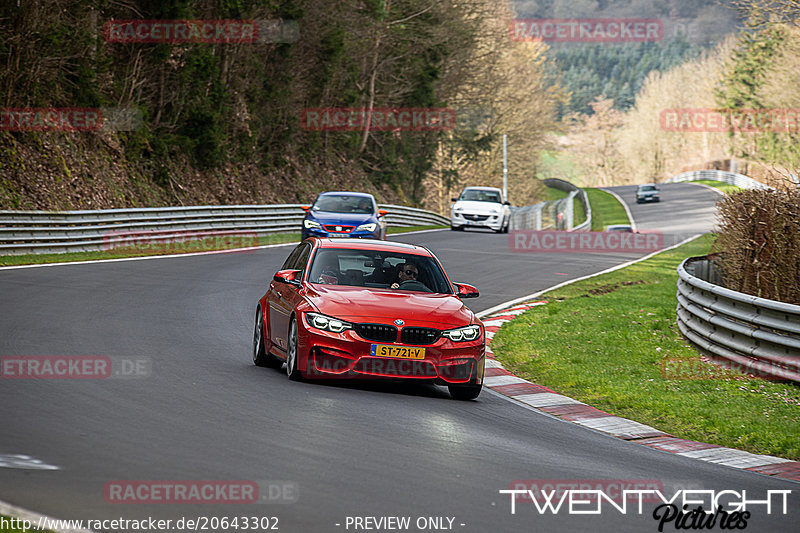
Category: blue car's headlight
<point>467,333</point>
<point>310,224</point>
<point>367,227</point>
<point>327,323</point>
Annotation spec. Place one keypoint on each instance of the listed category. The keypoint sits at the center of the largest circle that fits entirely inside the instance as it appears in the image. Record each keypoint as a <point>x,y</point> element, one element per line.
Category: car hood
<point>359,304</point>
<point>325,217</point>
<point>478,207</point>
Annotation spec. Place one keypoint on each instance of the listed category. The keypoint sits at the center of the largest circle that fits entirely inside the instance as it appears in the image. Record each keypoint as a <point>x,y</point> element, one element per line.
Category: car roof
<point>349,193</point>
<point>647,185</point>
<point>370,244</point>
<point>482,188</point>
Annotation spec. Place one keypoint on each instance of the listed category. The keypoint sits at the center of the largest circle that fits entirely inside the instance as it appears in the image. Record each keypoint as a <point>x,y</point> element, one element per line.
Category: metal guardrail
<point>754,334</point>
<point>23,232</point>
<point>546,214</point>
<point>733,178</point>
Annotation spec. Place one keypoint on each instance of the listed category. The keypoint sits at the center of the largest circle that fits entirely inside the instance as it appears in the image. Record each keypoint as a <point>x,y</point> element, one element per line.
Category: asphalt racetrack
<point>329,450</point>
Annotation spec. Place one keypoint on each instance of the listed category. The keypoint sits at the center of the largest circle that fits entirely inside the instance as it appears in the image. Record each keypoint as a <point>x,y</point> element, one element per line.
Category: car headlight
<point>494,211</point>
<point>367,227</point>
<point>310,224</point>
<point>467,333</point>
<point>327,323</point>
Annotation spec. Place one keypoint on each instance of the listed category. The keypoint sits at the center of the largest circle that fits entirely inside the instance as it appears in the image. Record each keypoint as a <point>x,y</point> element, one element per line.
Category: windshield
<point>477,195</point>
<point>344,203</point>
<point>647,187</point>
<point>378,270</point>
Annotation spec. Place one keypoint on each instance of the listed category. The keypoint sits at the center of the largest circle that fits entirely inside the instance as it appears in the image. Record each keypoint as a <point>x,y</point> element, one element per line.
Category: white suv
<point>480,207</point>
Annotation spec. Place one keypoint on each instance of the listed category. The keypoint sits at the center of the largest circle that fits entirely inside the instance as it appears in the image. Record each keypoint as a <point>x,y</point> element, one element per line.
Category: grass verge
<point>33,259</point>
<point>606,209</point>
<point>727,188</point>
<point>612,342</point>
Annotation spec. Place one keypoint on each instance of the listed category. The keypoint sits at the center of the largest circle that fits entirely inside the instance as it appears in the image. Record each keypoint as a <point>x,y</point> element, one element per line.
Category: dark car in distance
<point>344,214</point>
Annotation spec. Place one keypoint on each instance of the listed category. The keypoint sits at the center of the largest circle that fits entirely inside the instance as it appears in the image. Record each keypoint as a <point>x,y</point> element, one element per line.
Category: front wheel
<point>464,392</point>
<point>291,353</point>
<point>260,355</point>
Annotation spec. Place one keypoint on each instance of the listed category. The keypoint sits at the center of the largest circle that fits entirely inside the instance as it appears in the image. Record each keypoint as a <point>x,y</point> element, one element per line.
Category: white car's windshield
<point>475,195</point>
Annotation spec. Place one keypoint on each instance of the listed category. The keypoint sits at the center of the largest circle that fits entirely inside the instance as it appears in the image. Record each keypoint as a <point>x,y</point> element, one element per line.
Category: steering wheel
<point>413,285</point>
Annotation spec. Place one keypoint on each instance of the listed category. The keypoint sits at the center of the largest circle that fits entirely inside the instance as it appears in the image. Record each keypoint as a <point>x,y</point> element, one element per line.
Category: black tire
<point>464,392</point>
<point>291,353</point>
<point>260,355</point>
<point>456,228</point>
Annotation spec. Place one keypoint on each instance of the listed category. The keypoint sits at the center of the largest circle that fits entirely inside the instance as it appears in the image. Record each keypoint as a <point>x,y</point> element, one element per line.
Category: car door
<point>281,295</point>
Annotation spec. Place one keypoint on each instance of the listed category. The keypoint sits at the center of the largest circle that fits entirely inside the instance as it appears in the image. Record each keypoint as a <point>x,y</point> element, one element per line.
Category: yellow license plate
<point>400,352</point>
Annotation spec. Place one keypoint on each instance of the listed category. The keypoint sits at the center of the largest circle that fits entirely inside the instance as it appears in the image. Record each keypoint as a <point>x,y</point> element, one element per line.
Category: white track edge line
<point>625,205</point>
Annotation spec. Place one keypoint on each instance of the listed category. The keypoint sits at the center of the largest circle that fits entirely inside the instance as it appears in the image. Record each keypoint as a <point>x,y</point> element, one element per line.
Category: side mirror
<point>288,276</point>
<point>305,208</point>
<point>382,212</point>
<point>453,199</point>
<point>466,291</point>
<point>507,203</point>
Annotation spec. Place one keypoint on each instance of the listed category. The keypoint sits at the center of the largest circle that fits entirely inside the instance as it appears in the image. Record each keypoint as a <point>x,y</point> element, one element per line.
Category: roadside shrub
<point>759,243</point>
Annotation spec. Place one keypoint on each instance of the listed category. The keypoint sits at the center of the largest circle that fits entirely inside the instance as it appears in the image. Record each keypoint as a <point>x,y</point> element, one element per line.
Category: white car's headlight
<point>327,323</point>
<point>310,224</point>
<point>494,211</point>
<point>367,227</point>
<point>467,333</point>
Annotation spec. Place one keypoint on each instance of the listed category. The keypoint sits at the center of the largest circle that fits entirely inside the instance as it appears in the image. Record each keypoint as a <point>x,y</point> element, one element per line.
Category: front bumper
<point>468,220</point>
<point>651,198</point>
<point>306,233</point>
<point>347,356</point>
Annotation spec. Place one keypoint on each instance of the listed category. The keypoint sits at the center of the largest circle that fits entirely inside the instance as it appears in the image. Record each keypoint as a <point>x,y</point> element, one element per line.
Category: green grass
<point>32,259</point>
<point>579,213</point>
<point>612,342</point>
<point>551,194</point>
<point>727,188</point>
<point>606,209</point>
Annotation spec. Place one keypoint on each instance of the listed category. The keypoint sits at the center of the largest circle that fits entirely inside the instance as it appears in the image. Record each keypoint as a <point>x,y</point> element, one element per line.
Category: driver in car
<point>364,206</point>
<point>329,273</point>
<point>406,272</point>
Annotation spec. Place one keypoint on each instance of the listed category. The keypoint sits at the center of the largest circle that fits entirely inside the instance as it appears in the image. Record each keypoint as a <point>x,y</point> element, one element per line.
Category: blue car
<point>344,214</point>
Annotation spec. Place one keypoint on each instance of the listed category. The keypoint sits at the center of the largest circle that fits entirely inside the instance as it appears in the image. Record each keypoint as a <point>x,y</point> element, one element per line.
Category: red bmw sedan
<point>370,309</point>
